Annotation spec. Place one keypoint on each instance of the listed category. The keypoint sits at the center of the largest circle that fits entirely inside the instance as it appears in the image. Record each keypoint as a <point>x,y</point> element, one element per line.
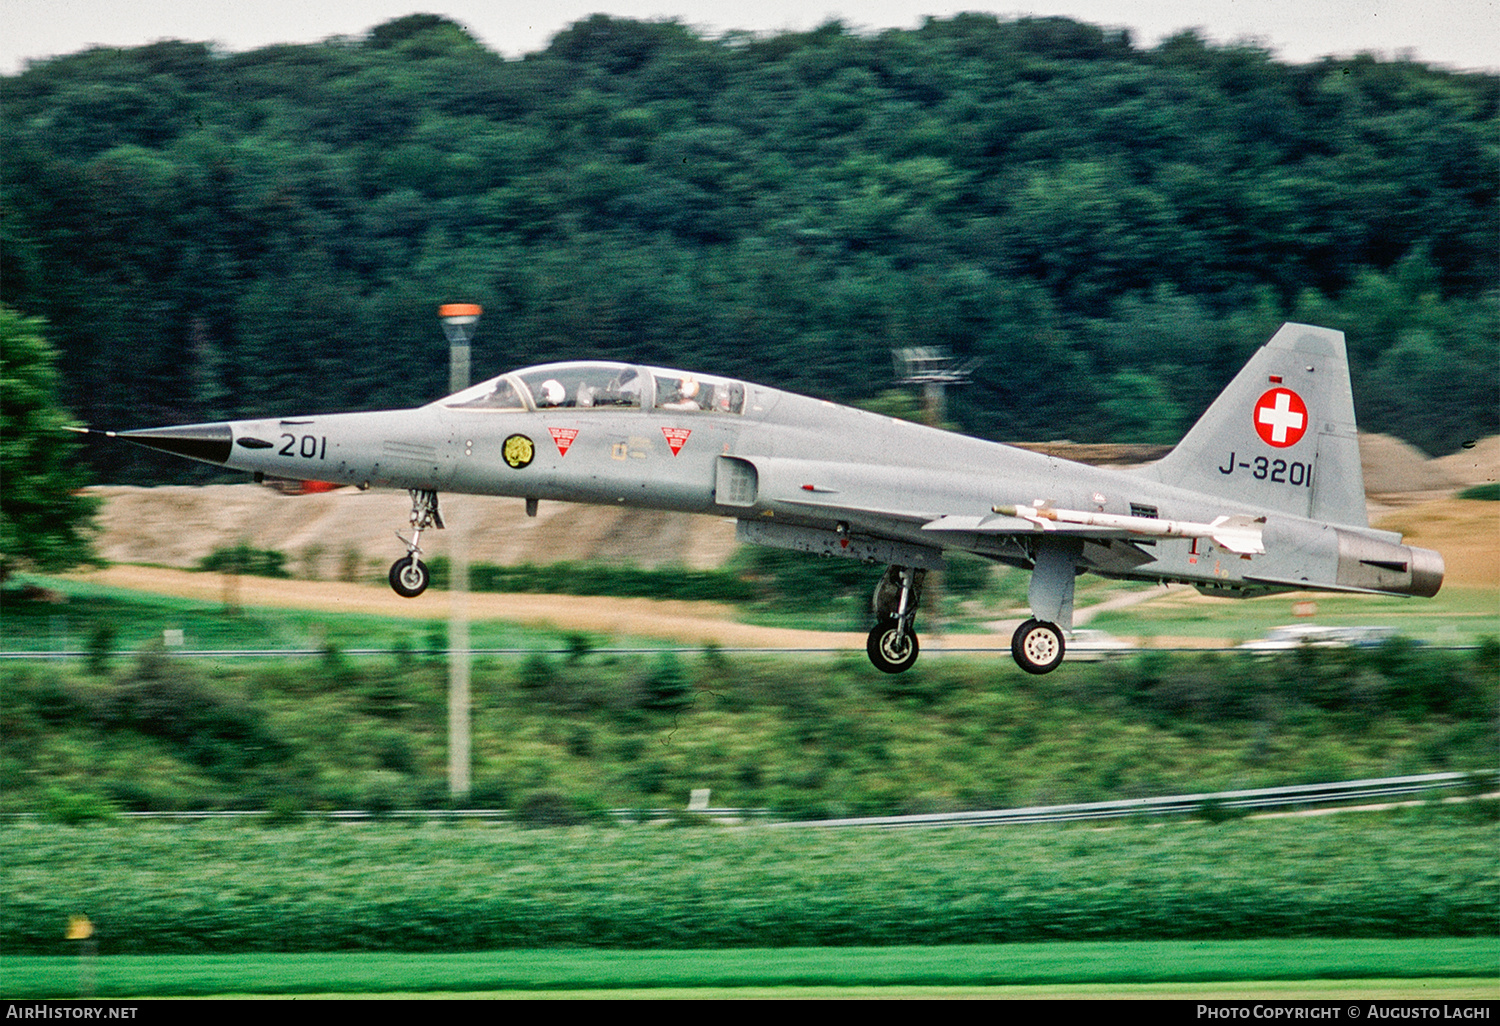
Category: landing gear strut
<point>409,576</point>
<point>1038,643</point>
<point>892,645</point>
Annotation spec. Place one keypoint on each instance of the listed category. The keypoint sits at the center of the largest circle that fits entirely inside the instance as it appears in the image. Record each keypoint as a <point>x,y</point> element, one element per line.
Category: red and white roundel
<point>1280,417</point>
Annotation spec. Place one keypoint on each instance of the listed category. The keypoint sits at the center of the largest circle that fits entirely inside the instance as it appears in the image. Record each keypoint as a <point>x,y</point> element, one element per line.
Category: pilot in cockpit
<point>551,393</point>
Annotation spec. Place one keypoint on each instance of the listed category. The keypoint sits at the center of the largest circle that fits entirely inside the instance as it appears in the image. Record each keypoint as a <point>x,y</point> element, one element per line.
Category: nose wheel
<point>892,645</point>
<point>409,576</point>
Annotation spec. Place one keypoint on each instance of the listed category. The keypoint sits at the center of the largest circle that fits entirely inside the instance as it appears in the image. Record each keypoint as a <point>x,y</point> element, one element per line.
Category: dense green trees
<point>44,522</point>
<point>213,234</point>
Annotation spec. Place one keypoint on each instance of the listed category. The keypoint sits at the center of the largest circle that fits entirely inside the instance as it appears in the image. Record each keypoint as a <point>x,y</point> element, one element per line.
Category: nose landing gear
<point>892,645</point>
<point>409,576</point>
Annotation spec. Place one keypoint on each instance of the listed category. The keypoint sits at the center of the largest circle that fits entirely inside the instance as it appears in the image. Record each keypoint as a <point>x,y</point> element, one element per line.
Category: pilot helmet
<point>689,387</point>
<point>553,393</point>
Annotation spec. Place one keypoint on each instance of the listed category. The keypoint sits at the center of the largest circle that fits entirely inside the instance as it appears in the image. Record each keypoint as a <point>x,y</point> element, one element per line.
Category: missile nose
<point>208,442</point>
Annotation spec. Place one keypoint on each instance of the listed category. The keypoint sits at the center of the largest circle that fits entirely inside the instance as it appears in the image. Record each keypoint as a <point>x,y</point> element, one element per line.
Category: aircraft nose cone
<point>208,442</point>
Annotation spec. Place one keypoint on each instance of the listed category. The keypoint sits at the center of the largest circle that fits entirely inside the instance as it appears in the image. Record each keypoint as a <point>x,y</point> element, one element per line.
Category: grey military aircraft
<point>1264,493</point>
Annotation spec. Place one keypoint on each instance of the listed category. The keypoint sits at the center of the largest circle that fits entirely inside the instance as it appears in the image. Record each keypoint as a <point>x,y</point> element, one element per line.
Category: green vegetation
<point>1458,615</point>
<point>207,887</point>
<point>51,614</point>
<point>1099,224</point>
<point>763,581</point>
<point>243,559</point>
<point>569,731</point>
<point>1489,492</point>
<point>591,728</point>
<point>1442,966</point>
<point>619,579</point>
<point>45,523</point>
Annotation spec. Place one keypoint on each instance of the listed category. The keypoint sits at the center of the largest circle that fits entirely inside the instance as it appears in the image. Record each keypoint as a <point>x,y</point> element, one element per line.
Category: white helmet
<point>553,393</point>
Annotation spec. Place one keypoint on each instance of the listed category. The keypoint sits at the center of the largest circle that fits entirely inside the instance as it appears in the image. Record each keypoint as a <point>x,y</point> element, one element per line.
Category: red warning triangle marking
<point>675,437</point>
<point>563,437</point>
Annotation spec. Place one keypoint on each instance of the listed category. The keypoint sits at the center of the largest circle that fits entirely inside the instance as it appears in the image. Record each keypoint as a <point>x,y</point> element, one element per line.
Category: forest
<point>1107,230</point>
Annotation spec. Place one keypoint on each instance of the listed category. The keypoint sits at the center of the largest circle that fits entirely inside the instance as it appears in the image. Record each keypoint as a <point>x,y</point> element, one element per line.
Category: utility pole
<point>459,322</point>
<point>934,369</point>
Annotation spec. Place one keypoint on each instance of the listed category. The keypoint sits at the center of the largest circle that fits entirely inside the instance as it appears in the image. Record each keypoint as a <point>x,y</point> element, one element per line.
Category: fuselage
<point>802,473</point>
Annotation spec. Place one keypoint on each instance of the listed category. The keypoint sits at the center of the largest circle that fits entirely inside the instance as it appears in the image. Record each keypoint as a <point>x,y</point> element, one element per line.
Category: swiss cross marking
<point>563,437</point>
<point>1280,417</point>
<point>675,437</point>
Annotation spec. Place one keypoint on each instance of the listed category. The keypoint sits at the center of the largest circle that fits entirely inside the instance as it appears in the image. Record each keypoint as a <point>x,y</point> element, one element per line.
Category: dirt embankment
<point>1413,494</point>
<point>349,534</point>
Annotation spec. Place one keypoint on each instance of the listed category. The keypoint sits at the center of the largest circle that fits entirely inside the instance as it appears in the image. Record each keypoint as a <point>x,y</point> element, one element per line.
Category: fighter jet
<point>1263,494</point>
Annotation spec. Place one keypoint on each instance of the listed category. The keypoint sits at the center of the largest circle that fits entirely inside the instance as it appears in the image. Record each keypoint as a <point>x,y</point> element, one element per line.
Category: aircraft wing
<point>870,495</point>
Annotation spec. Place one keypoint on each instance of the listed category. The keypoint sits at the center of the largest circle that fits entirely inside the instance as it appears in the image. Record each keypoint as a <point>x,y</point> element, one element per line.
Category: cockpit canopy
<point>601,386</point>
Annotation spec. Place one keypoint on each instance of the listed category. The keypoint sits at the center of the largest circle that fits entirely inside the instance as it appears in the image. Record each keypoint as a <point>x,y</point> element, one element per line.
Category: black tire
<point>892,648</point>
<point>1037,646</point>
<point>409,577</point>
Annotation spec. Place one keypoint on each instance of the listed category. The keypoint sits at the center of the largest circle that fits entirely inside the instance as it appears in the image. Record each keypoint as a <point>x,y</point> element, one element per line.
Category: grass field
<point>198,886</point>
<point>1288,969</point>
<point>233,888</point>
<point>1458,615</point>
<point>810,736</point>
<point>139,618</point>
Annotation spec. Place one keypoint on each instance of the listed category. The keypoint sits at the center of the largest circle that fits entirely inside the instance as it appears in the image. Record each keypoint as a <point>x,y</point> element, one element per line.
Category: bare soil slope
<point>351,535</point>
<point>1465,531</point>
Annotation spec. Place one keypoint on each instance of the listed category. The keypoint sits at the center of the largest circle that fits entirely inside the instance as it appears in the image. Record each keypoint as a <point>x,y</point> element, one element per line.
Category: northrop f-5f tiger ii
<point>1264,494</point>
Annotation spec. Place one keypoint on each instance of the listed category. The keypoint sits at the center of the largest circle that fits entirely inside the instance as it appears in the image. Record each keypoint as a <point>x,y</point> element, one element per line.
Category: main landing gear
<point>409,576</point>
<point>1037,646</point>
<point>1038,643</point>
<point>892,645</point>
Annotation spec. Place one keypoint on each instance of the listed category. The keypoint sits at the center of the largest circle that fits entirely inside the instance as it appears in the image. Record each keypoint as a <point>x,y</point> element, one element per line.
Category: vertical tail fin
<point>1282,435</point>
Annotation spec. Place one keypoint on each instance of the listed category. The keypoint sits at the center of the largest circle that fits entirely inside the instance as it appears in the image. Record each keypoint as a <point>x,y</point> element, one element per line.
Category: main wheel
<point>892,648</point>
<point>409,577</point>
<point>1037,646</point>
